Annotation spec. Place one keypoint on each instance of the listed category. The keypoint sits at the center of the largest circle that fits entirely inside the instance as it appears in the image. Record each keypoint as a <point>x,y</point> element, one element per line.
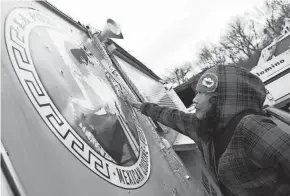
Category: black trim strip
<point>283,73</point>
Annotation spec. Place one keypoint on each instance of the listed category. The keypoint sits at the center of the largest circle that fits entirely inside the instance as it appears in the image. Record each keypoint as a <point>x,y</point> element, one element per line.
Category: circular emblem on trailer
<point>78,99</point>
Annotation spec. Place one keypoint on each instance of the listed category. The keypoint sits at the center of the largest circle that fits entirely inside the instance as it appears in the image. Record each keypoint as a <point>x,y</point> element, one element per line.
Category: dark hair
<point>208,125</point>
<point>213,100</point>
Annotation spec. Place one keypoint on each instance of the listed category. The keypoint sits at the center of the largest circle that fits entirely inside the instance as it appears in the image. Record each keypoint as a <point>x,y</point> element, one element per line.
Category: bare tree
<point>179,74</point>
<point>212,55</point>
<point>239,43</point>
<point>246,37</point>
<point>241,40</point>
<point>274,12</point>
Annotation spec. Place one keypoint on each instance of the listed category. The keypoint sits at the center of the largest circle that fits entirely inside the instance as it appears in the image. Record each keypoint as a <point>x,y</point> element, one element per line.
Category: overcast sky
<point>161,33</point>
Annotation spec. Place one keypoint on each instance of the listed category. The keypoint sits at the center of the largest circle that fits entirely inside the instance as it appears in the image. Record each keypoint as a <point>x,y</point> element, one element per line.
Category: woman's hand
<point>136,105</point>
<point>132,102</point>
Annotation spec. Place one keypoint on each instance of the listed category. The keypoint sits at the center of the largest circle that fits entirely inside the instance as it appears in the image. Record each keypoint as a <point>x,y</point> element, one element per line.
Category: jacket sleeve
<point>265,142</point>
<point>180,121</point>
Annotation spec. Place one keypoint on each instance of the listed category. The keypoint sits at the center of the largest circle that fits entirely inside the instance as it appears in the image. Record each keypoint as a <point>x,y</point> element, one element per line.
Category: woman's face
<point>202,105</point>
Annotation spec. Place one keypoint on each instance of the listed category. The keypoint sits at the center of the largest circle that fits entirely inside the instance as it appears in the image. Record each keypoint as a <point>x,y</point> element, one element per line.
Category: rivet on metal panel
<point>187,177</point>
<point>48,48</point>
<point>61,72</point>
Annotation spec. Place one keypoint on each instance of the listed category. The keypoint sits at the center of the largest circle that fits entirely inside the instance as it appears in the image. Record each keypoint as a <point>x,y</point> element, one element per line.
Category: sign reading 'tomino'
<point>271,68</point>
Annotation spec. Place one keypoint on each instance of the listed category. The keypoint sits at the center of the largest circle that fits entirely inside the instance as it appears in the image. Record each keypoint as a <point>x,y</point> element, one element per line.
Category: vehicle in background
<point>274,69</point>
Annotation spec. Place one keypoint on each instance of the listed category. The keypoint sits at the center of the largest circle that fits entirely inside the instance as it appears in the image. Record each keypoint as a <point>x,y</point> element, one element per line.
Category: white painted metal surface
<point>50,152</point>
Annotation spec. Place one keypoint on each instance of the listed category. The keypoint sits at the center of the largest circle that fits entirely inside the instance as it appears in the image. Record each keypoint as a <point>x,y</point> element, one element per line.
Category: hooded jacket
<point>258,151</point>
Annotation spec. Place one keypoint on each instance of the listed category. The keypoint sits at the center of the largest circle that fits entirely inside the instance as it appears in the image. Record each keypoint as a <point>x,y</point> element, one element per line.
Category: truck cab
<point>274,70</point>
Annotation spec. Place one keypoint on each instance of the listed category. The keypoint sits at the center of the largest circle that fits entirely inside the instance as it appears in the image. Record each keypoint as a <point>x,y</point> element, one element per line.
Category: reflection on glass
<point>103,117</point>
<point>82,93</point>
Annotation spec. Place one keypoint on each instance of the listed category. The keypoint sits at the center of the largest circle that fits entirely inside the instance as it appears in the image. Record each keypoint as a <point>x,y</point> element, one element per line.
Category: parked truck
<point>65,128</point>
<point>274,69</point>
